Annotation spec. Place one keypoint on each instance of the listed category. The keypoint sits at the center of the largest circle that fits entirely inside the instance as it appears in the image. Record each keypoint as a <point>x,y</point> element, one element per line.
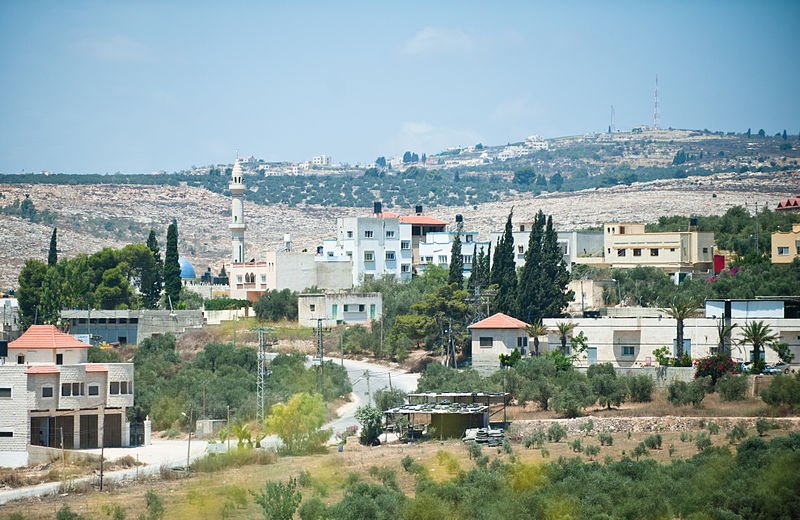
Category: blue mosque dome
<point>187,271</point>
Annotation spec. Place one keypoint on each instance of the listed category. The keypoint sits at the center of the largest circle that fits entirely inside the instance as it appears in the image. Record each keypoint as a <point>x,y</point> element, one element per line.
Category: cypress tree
<point>555,277</point>
<point>504,272</point>
<point>529,291</point>
<point>456,275</point>
<point>52,255</point>
<point>474,275</point>
<point>152,278</point>
<point>172,269</point>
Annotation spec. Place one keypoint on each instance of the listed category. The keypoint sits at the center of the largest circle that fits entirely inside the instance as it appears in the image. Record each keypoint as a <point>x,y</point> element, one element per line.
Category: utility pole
<point>63,455</point>
<point>369,392</point>
<point>320,357</point>
<point>228,428</point>
<point>102,449</point>
<point>261,377</point>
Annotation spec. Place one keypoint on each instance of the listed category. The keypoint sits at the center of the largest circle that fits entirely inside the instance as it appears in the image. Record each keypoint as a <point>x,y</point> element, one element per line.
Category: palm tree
<point>242,433</point>
<point>565,328</point>
<point>758,334</point>
<point>724,333</point>
<point>680,309</point>
<point>534,331</point>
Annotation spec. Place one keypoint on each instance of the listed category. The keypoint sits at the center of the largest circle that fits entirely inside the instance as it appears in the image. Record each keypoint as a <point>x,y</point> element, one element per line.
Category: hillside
<point>93,216</point>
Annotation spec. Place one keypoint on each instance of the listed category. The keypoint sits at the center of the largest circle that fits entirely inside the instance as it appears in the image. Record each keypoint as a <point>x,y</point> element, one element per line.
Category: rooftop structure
<point>791,204</point>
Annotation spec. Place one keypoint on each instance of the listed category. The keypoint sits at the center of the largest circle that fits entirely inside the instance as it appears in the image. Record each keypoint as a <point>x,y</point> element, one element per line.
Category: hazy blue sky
<point>140,86</point>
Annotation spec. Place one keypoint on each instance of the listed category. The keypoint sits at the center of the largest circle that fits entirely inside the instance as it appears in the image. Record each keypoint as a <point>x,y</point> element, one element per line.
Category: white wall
<point>486,360</point>
<point>14,416</point>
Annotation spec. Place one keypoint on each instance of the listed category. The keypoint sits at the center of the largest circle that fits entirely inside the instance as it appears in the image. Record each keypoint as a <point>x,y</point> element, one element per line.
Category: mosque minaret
<point>237,225</point>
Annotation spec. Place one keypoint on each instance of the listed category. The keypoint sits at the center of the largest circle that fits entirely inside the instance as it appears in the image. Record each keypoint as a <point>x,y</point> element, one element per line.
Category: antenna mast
<point>612,128</point>
<point>655,107</point>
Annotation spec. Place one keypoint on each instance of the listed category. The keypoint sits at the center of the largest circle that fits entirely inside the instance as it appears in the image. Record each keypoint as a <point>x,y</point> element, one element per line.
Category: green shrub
<point>606,439</point>
<point>686,437</point>
<point>737,433</point>
<point>534,439</point>
<point>639,450</point>
<point>732,387</point>
<point>576,445</point>
<point>545,453</point>
<point>313,509</point>
<point>237,458</point>
<point>713,428</point>
<point>507,447</point>
<point>640,388</point>
<point>763,426</point>
<point>407,461</point>
<point>475,450</point>
<point>556,432</point>
<point>783,391</point>
<point>702,441</point>
<point>278,501</point>
<point>591,450</point>
<point>653,441</point>
<point>671,450</point>
<point>681,393</point>
<point>587,427</point>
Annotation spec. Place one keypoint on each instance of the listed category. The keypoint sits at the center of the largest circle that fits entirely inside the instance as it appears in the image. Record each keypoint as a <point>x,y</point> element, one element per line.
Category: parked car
<point>743,367</point>
<point>777,368</point>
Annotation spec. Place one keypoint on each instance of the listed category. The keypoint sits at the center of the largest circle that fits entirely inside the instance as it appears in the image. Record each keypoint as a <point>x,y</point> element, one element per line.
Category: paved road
<point>171,453</point>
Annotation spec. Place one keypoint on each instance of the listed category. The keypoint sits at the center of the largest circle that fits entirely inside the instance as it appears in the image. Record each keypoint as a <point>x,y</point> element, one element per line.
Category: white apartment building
<point>577,247</point>
<point>50,396</point>
<point>377,245</point>
<point>436,249</point>
<point>630,341</point>
<point>336,308</point>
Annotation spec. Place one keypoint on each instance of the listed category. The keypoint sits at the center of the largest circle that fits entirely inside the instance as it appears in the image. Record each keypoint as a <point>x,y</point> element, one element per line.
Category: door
<point>592,353</point>
<point>88,432</point>
<point>112,427</point>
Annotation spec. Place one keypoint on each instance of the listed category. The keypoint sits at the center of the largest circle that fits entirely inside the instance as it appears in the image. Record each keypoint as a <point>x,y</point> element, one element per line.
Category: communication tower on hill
<point>655,107</point>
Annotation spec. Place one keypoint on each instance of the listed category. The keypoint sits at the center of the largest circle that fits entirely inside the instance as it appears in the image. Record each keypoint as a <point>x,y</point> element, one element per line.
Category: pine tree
<point>554,295</point>
<point>52,255</point>
<point>172,269</point>
<point>152,279</point>
<point>504,272</point>
<point>456,263</point>
<point>529,300</point>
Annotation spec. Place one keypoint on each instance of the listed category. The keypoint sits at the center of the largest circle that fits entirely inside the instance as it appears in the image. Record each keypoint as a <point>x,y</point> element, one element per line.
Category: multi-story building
<point>629,341</point>
<point>785,246</point>
<point>130,326</point>
<point>677,253</point>
<point>577,247</point>
<point>50,396</point>
<point>436,249</point>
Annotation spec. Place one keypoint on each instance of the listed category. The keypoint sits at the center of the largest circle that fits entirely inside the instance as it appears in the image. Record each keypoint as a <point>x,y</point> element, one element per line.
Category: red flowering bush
<point>715,367</point>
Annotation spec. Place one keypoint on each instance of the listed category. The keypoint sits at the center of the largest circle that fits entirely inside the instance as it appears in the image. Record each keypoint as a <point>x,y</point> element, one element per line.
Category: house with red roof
<point>790,204</point>
<point>498,334</point>
<point>52,397</point>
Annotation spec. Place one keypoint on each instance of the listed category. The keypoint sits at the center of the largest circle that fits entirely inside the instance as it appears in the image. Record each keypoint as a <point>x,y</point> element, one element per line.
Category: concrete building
<point>436,248</point>
<point>10,308</point>
<point>577,247</point>
<point>677,253</point>
<point>337,308</point>
<point>785,246</point>
<point>497,334</point>
<point>321,160</point>
<point>629,341</point>
<point>50,396</point>
<point>130,326</point>
<point>790,204</point>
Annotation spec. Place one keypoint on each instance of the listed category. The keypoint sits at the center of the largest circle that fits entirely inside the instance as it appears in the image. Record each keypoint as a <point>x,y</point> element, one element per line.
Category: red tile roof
<point>422,221</point>
<point>95,367</point>
<point>499,321</point>
<point>43,369</point>
<point>46,337</point>
<point>792,203</point>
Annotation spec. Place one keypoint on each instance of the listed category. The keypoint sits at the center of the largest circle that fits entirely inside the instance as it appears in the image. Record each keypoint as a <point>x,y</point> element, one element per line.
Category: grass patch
<point>214,462</point>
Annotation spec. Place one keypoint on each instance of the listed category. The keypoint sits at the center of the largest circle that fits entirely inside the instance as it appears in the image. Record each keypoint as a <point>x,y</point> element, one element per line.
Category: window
<point>405,245</point>
<point>389,233</point>
<point>671,249</point>
<point>6,434</point>
<point>361,308</point>
<point>334,310</point>
<point>312,307</point>
<point>239,278</point>
<point>653,252</point>
<point>783,251</point>
<point>114,390</point>
<point>94,390</point>
<point>5,392</point>
<point>405,268</point>
<point>263,278</point>
<point>123,387</point>
<point>520,249</point>
<point>368,234</point>
<point>59,359</point>
<point>467,259</point>
<point>369,256</point>
<point>349,234</point>
<point>390,255</point>
<point>522,341</point>
<point>47,392</point>
<point>486,341</point>
<point>65,389</point>
<point>429,259</point>
<point>705,250</point>
<point>443,259</point>
<point>621,252</point>
<point>372,311</point>
<point>347,307</point>
<point>628,351</point>
<point>21,359</point>
<point>637,252</point>
<point>77,388</point>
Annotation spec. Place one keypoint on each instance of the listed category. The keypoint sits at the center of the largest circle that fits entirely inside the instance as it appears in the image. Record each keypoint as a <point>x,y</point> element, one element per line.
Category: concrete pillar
<point>126,430</point>
<point>101,418</point>
<point>76,431</point>
<point>148,429</point>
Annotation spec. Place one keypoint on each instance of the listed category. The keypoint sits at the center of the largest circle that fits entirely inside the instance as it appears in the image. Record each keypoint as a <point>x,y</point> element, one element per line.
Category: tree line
<point>133,277</point>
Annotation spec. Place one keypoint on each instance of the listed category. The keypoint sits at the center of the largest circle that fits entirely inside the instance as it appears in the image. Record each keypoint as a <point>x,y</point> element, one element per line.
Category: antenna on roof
<point>655,107</point>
